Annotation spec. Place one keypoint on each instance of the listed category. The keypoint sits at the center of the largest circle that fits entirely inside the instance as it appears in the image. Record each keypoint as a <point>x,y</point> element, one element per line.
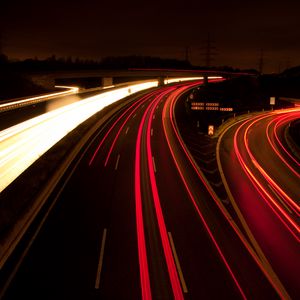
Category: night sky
<point>95,29</point>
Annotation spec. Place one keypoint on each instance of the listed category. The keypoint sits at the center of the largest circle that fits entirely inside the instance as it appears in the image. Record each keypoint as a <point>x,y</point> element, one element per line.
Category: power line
<point>209,51</point>
<point>261,61</point>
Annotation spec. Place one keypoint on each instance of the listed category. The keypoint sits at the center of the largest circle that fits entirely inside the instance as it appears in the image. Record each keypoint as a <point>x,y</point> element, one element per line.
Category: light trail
<point>173,274</point>
<point>143,262</point>
<point>276,187</point>
<point>142,251</point>
<point>32,100</point>
<point>256,254</point>
<point>23,144</point>
<point>278,237</point>
<point>286,198</point>
<point>172,80</point>
<point>191,196</point>
<point>210,78</point>
<point>272,203</point>
<point>278,123</point>
<point>141,101</point>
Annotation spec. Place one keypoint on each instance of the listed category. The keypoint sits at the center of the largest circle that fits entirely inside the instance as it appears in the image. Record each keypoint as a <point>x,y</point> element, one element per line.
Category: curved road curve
<point>263,176</point>
<point>136,220</point>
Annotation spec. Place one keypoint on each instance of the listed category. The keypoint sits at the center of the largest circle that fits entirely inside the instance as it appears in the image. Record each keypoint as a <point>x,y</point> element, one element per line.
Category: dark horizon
<point>110,62</point>
<point>93,30</point>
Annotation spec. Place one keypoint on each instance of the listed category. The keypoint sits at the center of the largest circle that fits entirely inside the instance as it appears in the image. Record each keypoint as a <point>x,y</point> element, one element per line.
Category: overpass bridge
<point>109,77</point>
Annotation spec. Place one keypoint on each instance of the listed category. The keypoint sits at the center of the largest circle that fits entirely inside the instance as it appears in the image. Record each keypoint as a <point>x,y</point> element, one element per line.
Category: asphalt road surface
<point>264,178</point>
<point>137,221</point>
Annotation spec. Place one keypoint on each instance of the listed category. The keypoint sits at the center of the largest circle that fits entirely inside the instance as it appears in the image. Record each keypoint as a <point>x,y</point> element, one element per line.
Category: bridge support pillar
<point>107,81</point>
<point>205,81</point>
<point>161,81</point>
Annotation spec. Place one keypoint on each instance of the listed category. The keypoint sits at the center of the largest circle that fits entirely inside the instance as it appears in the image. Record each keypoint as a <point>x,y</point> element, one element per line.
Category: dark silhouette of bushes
<point>15,85</point>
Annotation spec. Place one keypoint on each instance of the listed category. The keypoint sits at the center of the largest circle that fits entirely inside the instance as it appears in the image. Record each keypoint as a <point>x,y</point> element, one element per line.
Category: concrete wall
<point>45,81</point>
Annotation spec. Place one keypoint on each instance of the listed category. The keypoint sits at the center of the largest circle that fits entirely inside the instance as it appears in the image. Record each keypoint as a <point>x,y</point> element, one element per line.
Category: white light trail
<point>171,80</point>
<point>24,143</point>
<point>22,102</point>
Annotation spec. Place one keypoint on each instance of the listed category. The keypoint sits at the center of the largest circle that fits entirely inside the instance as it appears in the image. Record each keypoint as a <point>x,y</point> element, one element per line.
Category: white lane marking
<point>179,270</point>
<point>134,116</point>
<point>117,162</point>
<point>127,130</point>
<point>279,198</point>
<point>151,131</point>
<point>154,166</point>
<point>97,283</point>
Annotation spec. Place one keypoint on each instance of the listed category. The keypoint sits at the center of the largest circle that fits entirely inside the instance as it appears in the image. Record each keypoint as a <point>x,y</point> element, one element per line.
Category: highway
<point>32,126</point>
<point>135,219</point>
<point>18,103</point>
<point>23,143</point>
<point>17,111</point>
<point>266,190</point>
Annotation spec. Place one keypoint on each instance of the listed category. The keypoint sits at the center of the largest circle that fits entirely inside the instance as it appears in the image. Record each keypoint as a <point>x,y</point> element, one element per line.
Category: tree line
<point>112,62</point>
<point>68,63</point>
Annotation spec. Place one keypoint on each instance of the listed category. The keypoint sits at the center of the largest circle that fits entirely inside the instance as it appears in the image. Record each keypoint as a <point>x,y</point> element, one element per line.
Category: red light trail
<point>284,217</point>
<point>272,216</point>
<point>164,117</point>
<point>177,291</point>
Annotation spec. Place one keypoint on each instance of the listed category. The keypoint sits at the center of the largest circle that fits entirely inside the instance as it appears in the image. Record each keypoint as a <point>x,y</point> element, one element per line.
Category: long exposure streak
<point>177,291</point>
<point>261,190</point>
<point>164,117</point>
<point>143,263</point>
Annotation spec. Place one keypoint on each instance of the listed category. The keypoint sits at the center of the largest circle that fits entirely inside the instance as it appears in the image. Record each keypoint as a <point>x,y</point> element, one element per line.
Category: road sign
<point>211,129</point>
<point>272,100</point>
